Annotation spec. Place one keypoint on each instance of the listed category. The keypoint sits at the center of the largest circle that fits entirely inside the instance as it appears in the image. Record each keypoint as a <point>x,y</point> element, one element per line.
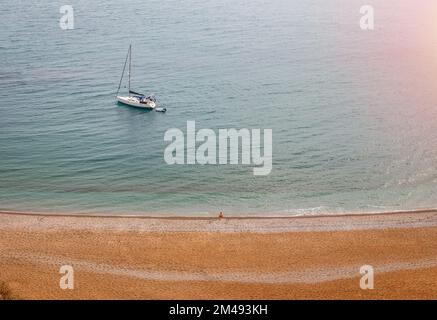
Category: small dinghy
<point>160,109</point>
<point>134,99</point>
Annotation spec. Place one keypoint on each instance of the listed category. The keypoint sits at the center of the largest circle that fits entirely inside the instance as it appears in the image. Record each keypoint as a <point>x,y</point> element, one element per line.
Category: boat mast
<point>130,62</point>
<point>122,74</point>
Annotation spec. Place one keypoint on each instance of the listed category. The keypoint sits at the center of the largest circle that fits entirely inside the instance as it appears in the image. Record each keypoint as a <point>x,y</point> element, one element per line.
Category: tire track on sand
<point>309,276</point>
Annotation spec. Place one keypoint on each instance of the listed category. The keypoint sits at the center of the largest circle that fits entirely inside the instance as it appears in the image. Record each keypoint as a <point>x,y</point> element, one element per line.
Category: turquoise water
<point>353,113</point>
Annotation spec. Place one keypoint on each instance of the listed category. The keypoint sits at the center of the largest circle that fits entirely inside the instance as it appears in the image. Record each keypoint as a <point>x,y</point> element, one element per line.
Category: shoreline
<point>209,217</point>
<point>249,258</point>
<point>350,222</point>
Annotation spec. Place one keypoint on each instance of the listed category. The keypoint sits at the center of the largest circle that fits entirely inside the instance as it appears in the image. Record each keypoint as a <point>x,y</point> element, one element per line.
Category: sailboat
<point>134,99</point>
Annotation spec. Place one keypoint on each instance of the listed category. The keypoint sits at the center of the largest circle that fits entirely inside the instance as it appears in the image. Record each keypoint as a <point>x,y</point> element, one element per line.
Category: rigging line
<point>122,74</point>
<point>130,62</point>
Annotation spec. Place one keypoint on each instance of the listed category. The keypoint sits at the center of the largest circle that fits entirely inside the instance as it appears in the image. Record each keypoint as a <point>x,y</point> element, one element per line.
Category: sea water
<point>353,112</point>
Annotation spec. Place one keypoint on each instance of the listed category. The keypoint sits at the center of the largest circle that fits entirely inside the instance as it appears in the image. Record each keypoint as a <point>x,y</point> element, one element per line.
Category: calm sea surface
<point>353,113</point>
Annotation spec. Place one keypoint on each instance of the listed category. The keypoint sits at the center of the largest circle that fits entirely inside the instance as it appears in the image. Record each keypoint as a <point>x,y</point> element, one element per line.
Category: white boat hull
<point>135,102</point>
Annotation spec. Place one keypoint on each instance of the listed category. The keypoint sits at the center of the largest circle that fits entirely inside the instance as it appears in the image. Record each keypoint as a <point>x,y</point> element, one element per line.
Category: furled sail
<point>136,93</point>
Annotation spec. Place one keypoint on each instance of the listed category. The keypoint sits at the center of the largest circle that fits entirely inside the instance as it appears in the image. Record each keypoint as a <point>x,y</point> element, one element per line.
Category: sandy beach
<point>192,258</point>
